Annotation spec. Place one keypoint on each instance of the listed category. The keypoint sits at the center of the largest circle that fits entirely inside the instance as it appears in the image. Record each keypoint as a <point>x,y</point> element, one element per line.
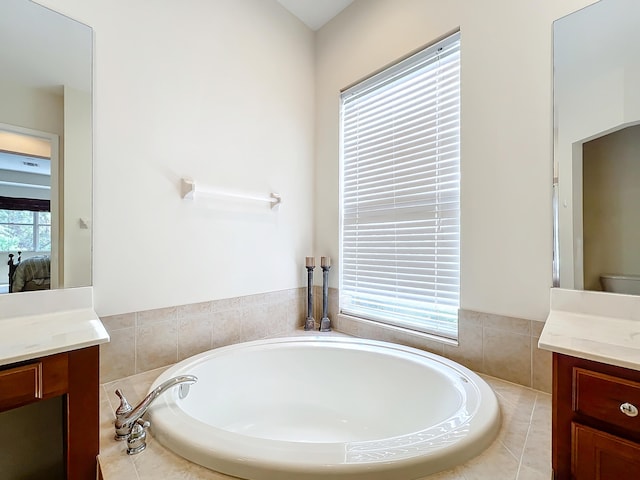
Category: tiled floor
<point>522,450</point>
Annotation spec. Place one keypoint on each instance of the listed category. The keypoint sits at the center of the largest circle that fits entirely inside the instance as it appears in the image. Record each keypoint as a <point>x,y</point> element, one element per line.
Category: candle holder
<point>309,323</point>
<point>325,323</point>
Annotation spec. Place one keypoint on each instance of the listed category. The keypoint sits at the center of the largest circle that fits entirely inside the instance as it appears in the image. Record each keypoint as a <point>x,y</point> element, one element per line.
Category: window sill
<point>393,331</point>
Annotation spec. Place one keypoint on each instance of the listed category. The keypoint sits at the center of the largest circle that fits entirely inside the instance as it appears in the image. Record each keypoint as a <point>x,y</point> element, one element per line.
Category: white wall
<point>219,90</point>
<point>506,78</point>
<point>33,108</point>
<point>222,90</point>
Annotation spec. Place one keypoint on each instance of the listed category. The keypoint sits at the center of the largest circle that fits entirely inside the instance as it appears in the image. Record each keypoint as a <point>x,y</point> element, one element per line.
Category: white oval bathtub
<point>304,408</point>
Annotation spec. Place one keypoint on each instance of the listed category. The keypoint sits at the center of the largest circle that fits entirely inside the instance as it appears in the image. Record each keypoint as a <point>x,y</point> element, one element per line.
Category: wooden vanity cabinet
<point>73,375</point>
<point>596,425</point>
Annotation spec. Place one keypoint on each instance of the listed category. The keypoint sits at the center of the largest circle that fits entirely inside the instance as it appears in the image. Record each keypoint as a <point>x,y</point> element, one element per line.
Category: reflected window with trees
<point>24,230</point>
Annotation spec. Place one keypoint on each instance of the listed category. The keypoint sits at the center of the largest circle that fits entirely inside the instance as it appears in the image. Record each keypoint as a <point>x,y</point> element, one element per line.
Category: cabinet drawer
<point>29,382</point>
<point>596,455</point>
<point>20,385</point>
<point>604,397</point>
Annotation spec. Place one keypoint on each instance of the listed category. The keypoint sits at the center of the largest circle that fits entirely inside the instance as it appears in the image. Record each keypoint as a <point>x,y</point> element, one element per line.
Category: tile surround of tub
<point>500,346</point>
<point>143,341</point>
<point>521,451</point>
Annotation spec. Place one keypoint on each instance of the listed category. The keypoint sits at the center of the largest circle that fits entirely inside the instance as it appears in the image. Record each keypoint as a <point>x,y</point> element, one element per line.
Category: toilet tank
<point>628,284</point>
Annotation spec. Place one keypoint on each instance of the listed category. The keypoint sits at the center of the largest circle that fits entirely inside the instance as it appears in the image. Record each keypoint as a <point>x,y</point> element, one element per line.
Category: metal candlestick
<point>325,323</point>
<point>310,323</point>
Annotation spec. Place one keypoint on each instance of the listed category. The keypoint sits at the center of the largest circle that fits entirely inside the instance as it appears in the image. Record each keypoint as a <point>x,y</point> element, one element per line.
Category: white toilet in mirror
<point>627,284</point>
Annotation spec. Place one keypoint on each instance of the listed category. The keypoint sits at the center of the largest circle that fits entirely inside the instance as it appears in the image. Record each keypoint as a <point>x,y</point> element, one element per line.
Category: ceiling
<point>315,13</point>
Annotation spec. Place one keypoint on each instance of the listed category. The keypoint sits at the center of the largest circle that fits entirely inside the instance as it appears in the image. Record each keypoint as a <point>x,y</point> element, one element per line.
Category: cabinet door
<point>600,456</point>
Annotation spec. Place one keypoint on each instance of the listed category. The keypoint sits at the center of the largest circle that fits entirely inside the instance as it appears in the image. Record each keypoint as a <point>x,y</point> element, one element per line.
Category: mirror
<point>45,149</point>
<point>597,148</point>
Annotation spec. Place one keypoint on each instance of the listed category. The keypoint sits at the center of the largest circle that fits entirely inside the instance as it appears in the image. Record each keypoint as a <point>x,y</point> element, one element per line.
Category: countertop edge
<point>36,336</point>
<point>564,334</point>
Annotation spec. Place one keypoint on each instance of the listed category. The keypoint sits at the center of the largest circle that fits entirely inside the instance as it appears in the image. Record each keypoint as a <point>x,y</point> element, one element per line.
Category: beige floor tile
<point>527,473</point>
<point>537,450</point>
<point>496,463</point>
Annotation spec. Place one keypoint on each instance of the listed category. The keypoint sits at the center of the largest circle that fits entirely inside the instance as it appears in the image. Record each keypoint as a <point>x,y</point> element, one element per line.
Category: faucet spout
<point>127,416</point>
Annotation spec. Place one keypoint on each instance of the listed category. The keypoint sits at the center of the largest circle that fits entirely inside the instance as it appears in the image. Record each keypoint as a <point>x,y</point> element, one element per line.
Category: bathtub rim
<point>270,463</point>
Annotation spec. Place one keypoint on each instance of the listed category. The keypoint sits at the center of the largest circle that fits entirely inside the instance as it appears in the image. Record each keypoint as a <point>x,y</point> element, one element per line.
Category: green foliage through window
<point>25,231</point>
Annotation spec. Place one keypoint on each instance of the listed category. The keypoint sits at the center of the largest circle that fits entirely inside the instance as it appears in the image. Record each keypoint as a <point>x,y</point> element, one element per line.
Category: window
<point>25,231</point>
<point>400,198</point>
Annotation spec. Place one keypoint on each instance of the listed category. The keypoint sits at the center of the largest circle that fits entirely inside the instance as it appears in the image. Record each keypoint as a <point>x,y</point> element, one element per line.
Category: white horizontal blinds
<point>401,193</point>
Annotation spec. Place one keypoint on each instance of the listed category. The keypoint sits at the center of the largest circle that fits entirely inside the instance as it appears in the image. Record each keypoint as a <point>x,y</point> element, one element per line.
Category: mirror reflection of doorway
<point>611,218</point>
<point>28,209</point>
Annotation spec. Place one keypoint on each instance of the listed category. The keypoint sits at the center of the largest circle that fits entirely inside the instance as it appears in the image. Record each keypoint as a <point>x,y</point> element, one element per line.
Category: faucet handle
<point>122,429</point>
<point>137,440</point>
<point>124,406</point>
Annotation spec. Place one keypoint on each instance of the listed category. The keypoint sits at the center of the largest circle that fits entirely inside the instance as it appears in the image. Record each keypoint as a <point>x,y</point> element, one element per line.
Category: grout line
<point>106,395</point>
<point>135,343</point>
<point>526,438</point>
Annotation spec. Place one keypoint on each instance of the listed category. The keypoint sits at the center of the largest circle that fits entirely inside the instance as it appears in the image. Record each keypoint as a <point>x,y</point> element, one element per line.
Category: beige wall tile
<point>507,355</point>
<point>375,331</point>
<point>346,325</point>
<point>295,309</point>
<point>542,368</point>
<point>135,388</point>
<point>225,304</point>
<point>469,317</point>
<point>194,335</point>
<point>253,325</point>
<point>116,322</point>
<point>156,345</point>
<point>487,343</point>
<point>317,303</point>
<point>276,313</point>
<point>412,340</point>
<point>469,351</point>
<point>117,358</point>
<point>194,310</point>
<point>509,324</point>
<point>226,327</point>
<point>255,300</point>
<point>149,317</point>
<point>334,302</point>
<point>536,328</point>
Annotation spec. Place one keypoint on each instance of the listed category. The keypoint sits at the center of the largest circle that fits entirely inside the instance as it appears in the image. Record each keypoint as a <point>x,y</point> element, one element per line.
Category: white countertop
<point>60,328</point>
<point>595,326</point>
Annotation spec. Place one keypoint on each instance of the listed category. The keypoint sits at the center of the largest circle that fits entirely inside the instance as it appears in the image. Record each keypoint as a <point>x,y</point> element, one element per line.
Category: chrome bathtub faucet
<point>129,424</point>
